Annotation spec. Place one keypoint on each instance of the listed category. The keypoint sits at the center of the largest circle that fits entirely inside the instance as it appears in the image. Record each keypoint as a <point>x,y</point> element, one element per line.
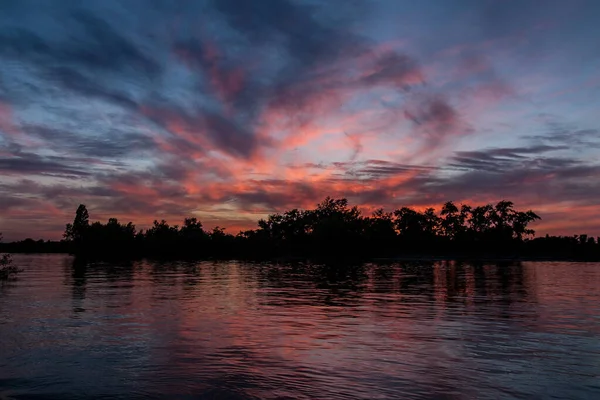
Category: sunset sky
<point>229,110</point>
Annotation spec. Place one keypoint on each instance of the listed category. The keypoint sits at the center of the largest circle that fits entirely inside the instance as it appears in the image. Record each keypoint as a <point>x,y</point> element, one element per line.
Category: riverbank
<point>344,258</point>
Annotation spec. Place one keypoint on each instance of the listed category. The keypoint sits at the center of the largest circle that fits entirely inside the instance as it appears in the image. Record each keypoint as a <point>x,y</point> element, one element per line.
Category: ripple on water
<point>234,330</point>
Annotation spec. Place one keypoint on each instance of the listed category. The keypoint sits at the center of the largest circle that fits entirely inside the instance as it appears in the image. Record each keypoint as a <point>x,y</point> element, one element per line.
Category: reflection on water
<point>232,330</point>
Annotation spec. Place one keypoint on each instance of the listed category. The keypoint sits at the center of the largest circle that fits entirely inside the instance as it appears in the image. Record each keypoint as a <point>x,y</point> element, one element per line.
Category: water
<point>230,330</point>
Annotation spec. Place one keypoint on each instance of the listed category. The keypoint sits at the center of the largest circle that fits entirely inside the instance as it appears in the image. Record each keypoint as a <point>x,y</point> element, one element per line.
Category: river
<point>234,330</point>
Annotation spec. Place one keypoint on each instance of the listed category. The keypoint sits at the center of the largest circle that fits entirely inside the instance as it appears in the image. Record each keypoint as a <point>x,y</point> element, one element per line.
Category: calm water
<point>241,331</point>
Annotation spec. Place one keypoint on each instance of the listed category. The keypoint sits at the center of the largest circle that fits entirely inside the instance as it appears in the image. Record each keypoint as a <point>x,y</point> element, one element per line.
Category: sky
<point>229,110</point>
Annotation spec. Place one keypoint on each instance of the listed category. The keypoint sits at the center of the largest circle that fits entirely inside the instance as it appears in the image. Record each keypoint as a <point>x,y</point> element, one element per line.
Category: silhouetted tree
<point>379,232</point>
<point>162,238</point>
<point>413,225</point>
<point>452,222</point>
<point>333,228</point>
<point>193,239</point>
<point>6,267</point>
<point>76,231</point>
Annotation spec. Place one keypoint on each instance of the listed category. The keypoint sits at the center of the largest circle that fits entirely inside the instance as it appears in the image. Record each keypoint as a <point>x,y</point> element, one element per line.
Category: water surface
<point>232,330</point>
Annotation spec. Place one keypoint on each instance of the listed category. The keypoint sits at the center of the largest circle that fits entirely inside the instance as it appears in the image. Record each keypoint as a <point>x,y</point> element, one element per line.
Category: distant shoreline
<point>399,258</point>
<point>333,230</point>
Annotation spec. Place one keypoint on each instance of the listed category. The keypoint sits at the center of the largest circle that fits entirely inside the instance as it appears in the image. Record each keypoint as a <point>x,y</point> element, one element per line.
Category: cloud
<point>98,47</point>
<point>206,131</point>
<point>528,173</point>
<point>227,79</point>
<point>503,159</point>
<point>436,115</point>
<point>111,143</point>
<point>559,134</point>
<point>103,48</point>
<point>395,69</point>
<point>435,121</point>
<point>293,24</point>
<point>310,78</point>
<point>229,109</point>
<point>237,95</point>
<point>74,81</point>
<point>33,164</point>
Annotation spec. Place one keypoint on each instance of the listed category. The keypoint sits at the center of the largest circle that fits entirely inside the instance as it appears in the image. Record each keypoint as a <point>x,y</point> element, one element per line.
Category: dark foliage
<point>7,270</point>
<point>331,229</point>
<point>36,246</point>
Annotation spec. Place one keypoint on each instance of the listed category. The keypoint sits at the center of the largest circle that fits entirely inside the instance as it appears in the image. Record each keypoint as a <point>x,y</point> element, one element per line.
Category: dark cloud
<point>230,136</point>
<point>294,24</point>
<point>101,60</point>
<point>32,164</point>
<point>394,69</point>
<point>101,47</point>
<point>280,195</point>
<point>74,81</point>
<point>7,202</point>
<point>110,143</point>
<point>533,185</point>
<point>381,168</point>
<point>512,152</point>
<point>527,174</point>
<point>315,51</point>
<point>561,134</point>
<point>435,121</point>
<point>21,43</point>
<point>390,169</point>
<point>96,47</point>
<point>503,159</point>
<point>436,114</point>
<point>224,134</point>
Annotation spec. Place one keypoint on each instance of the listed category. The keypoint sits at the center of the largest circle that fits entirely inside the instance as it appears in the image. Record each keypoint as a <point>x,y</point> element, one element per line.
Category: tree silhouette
<point>193,239</point>
<point>6,267</point>
<point>452,222</point>
<point>379,231</point>
<point>76,231</point>
<point>334,228</point>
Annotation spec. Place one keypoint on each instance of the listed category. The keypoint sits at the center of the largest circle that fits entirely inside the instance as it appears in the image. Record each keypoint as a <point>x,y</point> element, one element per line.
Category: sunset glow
<point>230,110</point>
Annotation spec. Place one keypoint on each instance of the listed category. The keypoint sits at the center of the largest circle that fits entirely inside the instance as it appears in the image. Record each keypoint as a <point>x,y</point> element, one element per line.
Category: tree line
<point>334,228</point>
